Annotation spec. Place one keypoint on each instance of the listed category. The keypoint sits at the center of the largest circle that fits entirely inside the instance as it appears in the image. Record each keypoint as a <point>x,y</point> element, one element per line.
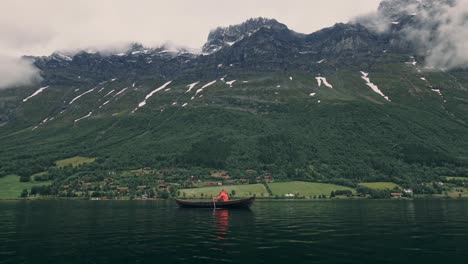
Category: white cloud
<point>448,46</point>
<point>41,27</point>
<point>14,71</point>
<point>439,32</point>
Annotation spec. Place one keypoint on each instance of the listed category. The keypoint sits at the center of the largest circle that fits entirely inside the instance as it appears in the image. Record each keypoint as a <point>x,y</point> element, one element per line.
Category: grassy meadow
<point>241,191</point>
<point>457,178</point>
<point>11,187</point>
<point>74,162</point>
<point>380,185</point>
<point>279,189</point>
<point>304,188</point>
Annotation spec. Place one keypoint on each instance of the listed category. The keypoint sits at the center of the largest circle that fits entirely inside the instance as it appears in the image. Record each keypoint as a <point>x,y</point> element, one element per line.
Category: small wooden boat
<point>234,204</point>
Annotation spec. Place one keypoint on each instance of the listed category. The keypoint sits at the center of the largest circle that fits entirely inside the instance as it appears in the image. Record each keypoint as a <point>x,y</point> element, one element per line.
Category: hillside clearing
<point>301,189</point>
<point>380,185</point>
<point>74,162</point>
<point>457,178</point>
<point>242,191</point>
<point>11,187</point>
<point>305,188</point>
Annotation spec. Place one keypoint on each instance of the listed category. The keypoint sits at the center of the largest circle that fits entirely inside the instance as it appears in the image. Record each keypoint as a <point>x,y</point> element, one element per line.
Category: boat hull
<point>232,204</point>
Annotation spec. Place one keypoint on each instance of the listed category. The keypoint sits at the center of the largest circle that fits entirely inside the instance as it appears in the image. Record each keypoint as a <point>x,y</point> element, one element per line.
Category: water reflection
<point>221,219</point>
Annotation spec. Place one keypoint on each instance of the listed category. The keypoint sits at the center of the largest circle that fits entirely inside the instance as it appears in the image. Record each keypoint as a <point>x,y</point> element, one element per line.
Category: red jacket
<point>223,196</point>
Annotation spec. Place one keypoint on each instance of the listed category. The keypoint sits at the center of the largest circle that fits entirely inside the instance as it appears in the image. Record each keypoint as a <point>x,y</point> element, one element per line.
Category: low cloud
<point>447,46</point>
<point>17,72</point>
<point>439,30</point>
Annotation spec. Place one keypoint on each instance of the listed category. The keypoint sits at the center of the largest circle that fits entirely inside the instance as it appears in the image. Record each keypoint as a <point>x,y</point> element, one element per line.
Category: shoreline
<point>257,199</point>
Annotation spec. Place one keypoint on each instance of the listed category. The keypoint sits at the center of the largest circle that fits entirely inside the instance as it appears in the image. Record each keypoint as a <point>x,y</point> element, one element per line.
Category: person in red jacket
<point>223,196</point>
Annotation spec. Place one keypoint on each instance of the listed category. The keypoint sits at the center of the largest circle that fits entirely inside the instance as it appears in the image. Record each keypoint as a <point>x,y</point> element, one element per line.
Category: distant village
<point>148,183</point>
<point>143,184</point>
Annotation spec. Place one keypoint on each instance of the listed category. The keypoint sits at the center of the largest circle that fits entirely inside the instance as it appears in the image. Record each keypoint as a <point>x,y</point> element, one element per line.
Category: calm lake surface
<point>422,231</point>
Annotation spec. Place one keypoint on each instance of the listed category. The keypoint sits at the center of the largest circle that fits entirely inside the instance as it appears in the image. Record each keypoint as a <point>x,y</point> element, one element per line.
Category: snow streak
<point>78,97</point>
<point>148,96</point>
<point>204,86</point>
<point>86,116</point>
<point>35,93</point>
<point>191,86</point>
<point>121,91</point>
<point>373,86</point>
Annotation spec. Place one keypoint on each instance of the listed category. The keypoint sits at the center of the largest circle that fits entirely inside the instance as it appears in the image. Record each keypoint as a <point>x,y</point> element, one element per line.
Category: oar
<point>214,204</point>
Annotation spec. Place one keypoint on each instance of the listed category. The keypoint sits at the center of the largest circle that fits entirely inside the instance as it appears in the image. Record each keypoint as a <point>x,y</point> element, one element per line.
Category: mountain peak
<point>227,36</point>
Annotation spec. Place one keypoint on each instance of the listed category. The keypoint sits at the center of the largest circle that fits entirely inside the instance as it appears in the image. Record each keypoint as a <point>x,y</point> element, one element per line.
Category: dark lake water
<point>423,231</point>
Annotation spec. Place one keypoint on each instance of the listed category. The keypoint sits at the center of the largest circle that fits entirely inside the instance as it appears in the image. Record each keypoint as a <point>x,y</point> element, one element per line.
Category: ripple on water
<point>272,232</point>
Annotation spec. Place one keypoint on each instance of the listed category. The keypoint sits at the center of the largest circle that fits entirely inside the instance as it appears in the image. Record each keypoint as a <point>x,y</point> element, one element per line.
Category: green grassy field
<point>74,162</point>
<point>457,178</point>
<point>458,192</point>
<point>380,185</point>
<point>305,188</point>
<point>246,190</point>
<point>11,187</point>
<point>279,189</point>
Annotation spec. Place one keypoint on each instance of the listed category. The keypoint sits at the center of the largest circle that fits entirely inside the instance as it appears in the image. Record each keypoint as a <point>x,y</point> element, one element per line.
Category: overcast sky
<point>40,27</point>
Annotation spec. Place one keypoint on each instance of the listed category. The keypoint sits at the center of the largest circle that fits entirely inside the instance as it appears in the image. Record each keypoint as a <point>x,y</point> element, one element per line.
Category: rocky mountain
<point>255,44</point>
<point>227,36</point>
<point>346,103</point>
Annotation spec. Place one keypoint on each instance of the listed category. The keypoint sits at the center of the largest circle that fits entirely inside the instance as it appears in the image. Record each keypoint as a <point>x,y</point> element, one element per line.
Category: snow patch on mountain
<point>148,96</point>
<point>110,92</point>
<point>191,86</point>
<point>437,91</point>
<point>79,96</point>
<point>412,61</point>
<point>40,90</point>
<point>120,92</point>
<point>106,102</point>
<point>230,83</point>
<point>61,56</point>
<point>81,118</point>
<point>227,36</point>
<point>374,87</point>
<point>204,86</point>
<point>323,80</point>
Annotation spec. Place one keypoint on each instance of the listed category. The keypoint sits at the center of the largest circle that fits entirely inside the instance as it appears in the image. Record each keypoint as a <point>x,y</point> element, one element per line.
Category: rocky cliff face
<point>227,36</point>
<point>254,44</point>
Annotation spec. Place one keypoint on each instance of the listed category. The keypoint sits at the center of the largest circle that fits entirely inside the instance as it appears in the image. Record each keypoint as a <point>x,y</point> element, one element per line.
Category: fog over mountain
<point>14,71</point>
<point>437,29</point>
